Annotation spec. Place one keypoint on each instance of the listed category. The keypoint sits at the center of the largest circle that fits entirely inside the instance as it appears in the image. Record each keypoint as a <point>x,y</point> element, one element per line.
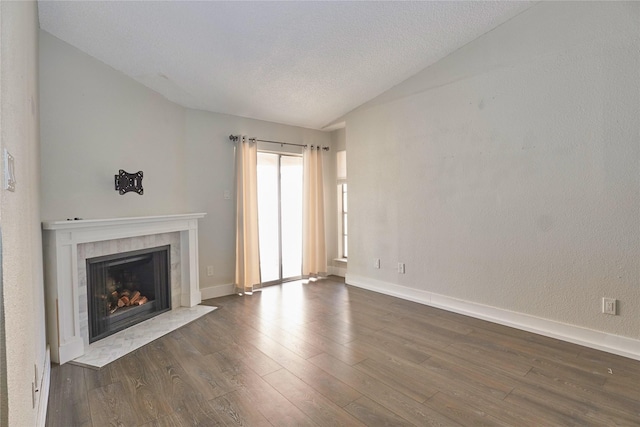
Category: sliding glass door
<point>280,216</point>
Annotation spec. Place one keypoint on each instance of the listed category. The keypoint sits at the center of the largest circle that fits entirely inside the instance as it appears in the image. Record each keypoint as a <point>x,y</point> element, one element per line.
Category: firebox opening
<point>127,288</point>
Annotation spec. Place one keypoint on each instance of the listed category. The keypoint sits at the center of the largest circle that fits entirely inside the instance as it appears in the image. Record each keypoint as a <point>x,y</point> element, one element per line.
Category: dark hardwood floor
<point>327,354</point>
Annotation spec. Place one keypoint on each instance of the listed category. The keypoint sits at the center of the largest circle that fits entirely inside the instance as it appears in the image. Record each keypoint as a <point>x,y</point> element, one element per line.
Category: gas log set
<point>123,295</point>
<point>125,298</point>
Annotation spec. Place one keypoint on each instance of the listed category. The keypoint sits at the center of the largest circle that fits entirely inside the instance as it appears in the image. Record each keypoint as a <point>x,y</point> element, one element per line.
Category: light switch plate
<point>9,172</point>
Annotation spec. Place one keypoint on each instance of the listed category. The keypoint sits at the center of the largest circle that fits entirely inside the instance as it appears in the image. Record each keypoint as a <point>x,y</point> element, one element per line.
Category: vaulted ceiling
<point>301,63</point>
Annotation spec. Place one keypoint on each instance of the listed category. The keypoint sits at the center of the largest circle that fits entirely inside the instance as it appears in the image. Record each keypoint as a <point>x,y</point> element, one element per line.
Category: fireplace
<point>67,246</point>
<point>127,288</point>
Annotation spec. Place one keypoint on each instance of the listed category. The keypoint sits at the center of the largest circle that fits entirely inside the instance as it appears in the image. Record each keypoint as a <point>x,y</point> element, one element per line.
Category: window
<point>343,212</point>
<point>341,157</point>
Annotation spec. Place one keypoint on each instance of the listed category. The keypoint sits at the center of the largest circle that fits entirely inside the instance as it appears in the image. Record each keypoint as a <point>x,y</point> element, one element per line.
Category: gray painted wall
<point>507,174</point>
<point>23,295</point>
<point>95,120</point>
<point>210,171</point>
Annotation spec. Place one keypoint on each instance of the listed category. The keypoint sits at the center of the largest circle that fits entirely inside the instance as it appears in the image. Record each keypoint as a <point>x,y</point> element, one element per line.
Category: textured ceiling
<point>298,63</point>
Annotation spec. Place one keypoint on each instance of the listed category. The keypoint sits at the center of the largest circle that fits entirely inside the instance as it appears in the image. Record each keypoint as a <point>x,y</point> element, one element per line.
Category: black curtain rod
<point>235,138</point>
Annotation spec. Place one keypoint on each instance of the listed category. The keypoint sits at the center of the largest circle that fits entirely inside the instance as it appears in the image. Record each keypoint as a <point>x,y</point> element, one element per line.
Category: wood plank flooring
<point>327,354</point>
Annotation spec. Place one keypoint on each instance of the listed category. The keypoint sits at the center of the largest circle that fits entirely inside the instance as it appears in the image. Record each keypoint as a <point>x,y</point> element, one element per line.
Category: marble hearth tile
<point>124,245</point>
<point>113,347</point>
<point>87,251</point>
<point>175,249</point>
<point>149,241</point>
<point>82,275</point>
<point>175,277</point>
<point>84,327</point>
<point>176,299</point>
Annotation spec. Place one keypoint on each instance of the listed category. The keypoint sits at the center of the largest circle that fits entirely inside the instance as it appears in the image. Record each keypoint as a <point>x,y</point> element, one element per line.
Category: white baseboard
<point>43,395</point>
<point>337,271</point>
<point>216,291</point>
<point>623,346</point>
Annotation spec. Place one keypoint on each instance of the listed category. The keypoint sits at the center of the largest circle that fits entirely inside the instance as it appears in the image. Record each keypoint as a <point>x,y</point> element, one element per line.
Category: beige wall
<point>209,157</point>
<point>339,139</point>
<point>507,175</point>
<point>95,120</point>
<point>20,210</point>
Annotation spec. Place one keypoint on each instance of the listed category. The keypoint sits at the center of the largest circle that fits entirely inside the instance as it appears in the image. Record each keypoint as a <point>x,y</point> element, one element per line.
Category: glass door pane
<point>268,216</point>
<point>280,216</point>
<point>291,214</point>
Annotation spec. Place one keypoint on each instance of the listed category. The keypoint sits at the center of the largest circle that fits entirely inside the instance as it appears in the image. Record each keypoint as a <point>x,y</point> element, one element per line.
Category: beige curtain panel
<point>314,255</point>
<point>247,247</point>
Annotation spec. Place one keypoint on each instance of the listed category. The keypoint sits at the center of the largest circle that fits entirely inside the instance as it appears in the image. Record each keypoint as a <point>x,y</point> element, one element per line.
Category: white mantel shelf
<point>61,240</point>
<point>107,222</point>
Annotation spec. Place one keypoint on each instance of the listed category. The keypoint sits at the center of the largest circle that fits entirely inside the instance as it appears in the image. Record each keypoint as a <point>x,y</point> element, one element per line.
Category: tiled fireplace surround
<point>118,246</point>
<point>68,244</point>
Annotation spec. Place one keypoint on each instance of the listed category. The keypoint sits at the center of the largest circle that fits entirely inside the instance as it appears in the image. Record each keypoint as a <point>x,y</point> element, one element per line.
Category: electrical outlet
<point>376,263</point>
<point>210,270</point>
<point>609,306</point>
<point>401,267</point>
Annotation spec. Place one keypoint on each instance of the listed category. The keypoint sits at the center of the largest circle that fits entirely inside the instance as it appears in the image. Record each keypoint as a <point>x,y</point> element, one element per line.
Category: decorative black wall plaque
<point>126,182</point>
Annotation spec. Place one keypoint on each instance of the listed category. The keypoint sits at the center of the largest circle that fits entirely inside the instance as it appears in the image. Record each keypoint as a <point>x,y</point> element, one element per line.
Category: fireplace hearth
<point>127,288</point>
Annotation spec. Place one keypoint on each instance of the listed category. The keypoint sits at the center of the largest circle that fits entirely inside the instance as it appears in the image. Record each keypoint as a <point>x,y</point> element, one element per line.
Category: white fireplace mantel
<point>61,240</point>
